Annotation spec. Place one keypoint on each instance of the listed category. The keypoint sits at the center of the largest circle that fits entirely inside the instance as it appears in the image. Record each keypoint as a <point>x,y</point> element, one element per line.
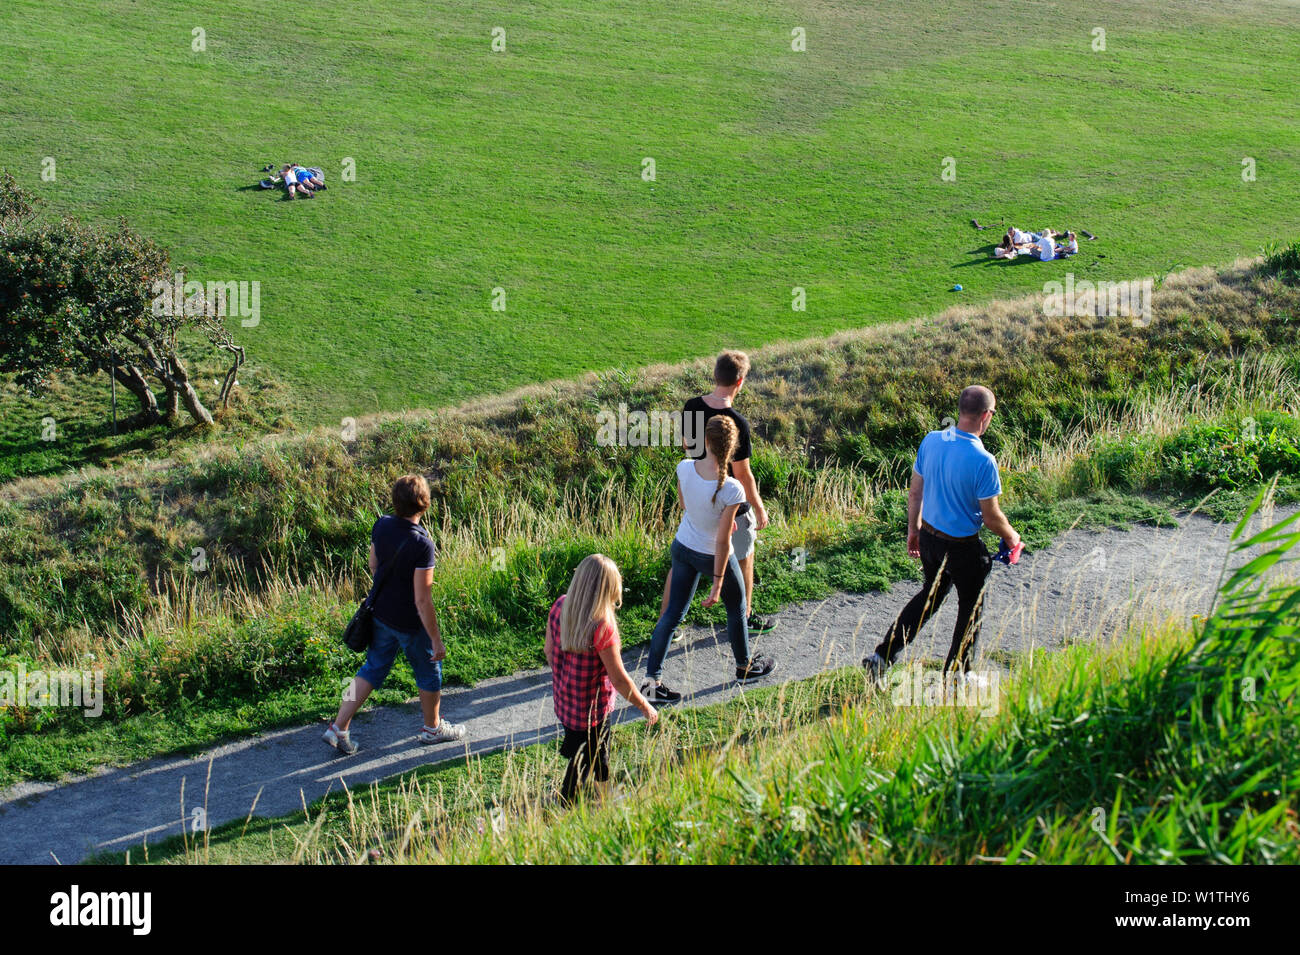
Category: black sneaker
<point>758,667</point>
<point>759,624</point>
<point>659,695</point>
<point>875,666</point>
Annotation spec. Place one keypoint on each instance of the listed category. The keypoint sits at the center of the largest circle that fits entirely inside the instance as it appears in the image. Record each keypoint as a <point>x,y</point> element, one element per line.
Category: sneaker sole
<point>762,630</point>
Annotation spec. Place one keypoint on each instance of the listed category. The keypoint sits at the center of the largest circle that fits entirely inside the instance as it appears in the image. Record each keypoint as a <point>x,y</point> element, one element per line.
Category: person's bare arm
<point>721,553</point>
<point>914,494</point>
<point>624,685</point>
<point>374,559</point>
<point>743,473</point>
<point>997,522</point>
<point>423,584</point>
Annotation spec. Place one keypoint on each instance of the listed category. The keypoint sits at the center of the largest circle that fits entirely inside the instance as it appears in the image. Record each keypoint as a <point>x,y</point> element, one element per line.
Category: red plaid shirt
<point>584,696</point>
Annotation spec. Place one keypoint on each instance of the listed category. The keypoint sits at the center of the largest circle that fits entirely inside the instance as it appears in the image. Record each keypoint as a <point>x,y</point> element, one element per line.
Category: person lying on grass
<point>584,652</point>
<point>289,176</point>
<point>302,181</point>
<point>1022,240</point>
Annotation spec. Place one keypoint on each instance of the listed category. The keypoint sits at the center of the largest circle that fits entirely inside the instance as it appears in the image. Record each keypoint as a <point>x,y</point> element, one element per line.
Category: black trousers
<point>588,754</point>
<point>964,564</point>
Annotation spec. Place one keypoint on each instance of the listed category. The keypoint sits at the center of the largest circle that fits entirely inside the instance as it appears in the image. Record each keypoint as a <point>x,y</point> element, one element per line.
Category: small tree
<point>83,299</point>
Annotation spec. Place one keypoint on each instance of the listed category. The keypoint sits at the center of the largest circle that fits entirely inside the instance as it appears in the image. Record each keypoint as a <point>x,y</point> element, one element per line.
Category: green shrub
<point>1284,261</point>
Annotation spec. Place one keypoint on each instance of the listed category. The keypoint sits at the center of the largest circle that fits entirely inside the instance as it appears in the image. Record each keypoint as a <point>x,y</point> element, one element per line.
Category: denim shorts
<point>418,647</point>
<point>744,536</point>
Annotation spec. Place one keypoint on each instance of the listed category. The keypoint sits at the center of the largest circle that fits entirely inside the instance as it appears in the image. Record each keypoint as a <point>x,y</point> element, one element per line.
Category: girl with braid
<point>710,502</point>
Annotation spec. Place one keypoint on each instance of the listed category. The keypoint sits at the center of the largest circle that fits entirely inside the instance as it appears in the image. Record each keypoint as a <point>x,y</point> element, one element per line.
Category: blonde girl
<point>583,649</point>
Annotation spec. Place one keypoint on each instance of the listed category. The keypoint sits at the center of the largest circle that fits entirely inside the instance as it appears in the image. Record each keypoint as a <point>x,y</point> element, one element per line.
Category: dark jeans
<point>688,566</point>
<point>963,563</point>
<point>588,754</point>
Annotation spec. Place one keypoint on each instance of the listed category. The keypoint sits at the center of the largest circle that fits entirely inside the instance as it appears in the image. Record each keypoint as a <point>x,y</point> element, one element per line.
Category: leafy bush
<point>1205,456</point>
<point>1232,455</point>
<point>1284,261</point>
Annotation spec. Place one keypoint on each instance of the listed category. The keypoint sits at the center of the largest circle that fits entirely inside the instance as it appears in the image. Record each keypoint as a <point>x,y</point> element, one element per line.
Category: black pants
<point>964,563</point>
<point>588,754</point>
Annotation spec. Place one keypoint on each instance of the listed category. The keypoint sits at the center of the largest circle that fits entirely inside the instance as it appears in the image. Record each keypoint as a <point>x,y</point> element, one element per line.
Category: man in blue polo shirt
<point>954,490</point>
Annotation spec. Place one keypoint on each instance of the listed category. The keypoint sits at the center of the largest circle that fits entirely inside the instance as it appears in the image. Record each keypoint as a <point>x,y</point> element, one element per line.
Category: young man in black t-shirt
<point>404,618</point>
<point>729,373</point>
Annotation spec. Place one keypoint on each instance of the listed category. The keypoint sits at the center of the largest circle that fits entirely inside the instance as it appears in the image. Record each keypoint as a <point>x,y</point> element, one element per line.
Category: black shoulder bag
<point>361,628</point>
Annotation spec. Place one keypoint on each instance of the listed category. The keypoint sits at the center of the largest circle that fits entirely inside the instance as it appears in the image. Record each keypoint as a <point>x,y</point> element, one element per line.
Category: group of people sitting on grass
<point>299,181</point>
<point>955,481</point>
<point>1042,244</point>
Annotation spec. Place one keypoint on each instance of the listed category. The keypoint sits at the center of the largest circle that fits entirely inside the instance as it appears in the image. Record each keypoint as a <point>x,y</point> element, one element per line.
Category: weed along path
<point>1087,586</point>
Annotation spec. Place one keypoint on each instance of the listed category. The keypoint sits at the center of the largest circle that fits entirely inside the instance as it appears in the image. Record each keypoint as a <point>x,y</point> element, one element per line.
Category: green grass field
<point>522,169</point>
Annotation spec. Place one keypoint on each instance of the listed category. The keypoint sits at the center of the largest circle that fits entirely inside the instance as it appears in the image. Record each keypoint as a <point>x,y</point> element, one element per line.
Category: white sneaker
<point>340,740</point>
<point>445,733</point>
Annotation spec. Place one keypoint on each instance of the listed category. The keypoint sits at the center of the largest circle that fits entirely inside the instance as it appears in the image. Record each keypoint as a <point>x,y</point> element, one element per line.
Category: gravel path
<point>1084,587</point>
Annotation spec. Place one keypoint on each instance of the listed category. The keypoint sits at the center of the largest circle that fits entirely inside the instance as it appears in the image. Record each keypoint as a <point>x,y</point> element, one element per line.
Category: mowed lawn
<point>523,169</point>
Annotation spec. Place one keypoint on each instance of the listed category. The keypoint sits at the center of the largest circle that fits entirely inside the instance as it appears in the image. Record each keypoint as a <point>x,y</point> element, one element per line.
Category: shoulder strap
<point>382,577</point>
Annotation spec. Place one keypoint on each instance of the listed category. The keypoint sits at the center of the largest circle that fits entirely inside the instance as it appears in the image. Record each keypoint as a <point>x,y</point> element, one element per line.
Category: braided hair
<point>721,436</point>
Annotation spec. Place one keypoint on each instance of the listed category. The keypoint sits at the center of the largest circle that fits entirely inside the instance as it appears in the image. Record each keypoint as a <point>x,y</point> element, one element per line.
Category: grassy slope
<point>1089,415</point>
<point>521,169</point>
<point>83,435</point>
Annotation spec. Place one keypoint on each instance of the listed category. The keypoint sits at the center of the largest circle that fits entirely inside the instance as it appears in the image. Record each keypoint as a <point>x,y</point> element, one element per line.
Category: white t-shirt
<point>1018,237</point>
<point>1046,249</point>
<point>699,527</point>
<point>1072,246</point>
